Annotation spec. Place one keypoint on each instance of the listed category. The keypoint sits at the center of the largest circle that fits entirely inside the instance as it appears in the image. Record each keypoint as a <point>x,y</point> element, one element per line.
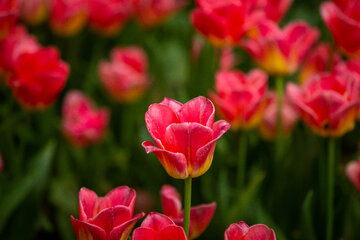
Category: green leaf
<point>307,217</point>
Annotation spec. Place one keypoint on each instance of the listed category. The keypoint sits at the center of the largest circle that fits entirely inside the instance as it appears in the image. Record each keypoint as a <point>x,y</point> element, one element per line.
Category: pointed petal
<point>86,231</point>
<point>200,217</point>
<point>173,233</point>
<point>87,202</point>
<point>123,195</point>
<point>123,231</point>
<point>171,201</point>
<point>157,221</point>
<point>260,231</point>
<point>236,231</point>
<point>171,103</point>
<point>199,110</point>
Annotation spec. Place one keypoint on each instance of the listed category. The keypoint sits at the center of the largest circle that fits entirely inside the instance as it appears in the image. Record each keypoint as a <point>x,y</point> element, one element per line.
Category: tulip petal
<point>236,231</point>
<point>198,110</point>
<point>260,231</point>
<point>171,103</point>
<point>87,202</point>
<point>123,231</point>
<point>173,233</point>
<point>353,173</point>
<point>200,217</point>
<point>175,164</point>
<point>157,221</point>
<point>123,195</point>
<point>171,201</point>
<point>86,231</point>
<point>143,233</point>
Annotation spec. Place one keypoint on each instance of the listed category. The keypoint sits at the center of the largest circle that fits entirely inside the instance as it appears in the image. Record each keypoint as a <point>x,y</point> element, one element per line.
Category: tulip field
<point>179,119</point>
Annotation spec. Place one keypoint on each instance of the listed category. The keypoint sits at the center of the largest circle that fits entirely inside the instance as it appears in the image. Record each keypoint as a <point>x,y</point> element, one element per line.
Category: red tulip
<point>68,16</point>
<point>38,77</point>
<point>9,10</point>
<point>222,22</point>
<point>289,114</point>
<point>125,77</point>
<point>273,10</point>
<point>83,123</point>
<point>280,52</point>
<point>157,226</point>
<point>343,19</point>
<point>240,98</point>
<point>328,103</point>
<point>353,173</point>
<point>108,16</point>
<point>106,218</point>
<point>153,12</point>
<point>352,67</point>
<point>241,231</point>
<point>34,11</point>
<point>321,59</point>
<point>200,216</point>
<point>186,135</point>
<point>15,44</point>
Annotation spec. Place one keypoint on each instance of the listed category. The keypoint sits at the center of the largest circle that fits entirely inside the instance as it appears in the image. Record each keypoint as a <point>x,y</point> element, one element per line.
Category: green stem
<point>330,188</point>
<point>187,205</point>
<point>242,160</point>
<point>279,125</point>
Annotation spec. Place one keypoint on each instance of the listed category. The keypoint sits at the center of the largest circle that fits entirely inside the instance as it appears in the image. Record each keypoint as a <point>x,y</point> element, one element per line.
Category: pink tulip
<point>241,231</point>
<point>227,59</point>
<point>106,218</point>
<point>351,67</point>
<point>125,77</point>
<point>34,11</point>
<point>185,135</point>
<point>200,216</point>
<point>273,10</point>
<point>9,11</point>
<point>240,98</point>
<point>83,123</point>
<point>353,173</point>
<point>157,226</point>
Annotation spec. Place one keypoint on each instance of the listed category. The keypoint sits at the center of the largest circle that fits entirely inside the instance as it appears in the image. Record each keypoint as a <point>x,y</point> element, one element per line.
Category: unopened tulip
<point>160,227</point>
<point>280,52</point>
<point>34,11</point>
<point>343,19</point>
<point>83,123</point>
<point>68,16</point>
<point>106,218</point>
<point>353,173</point>
<point>107,17</point>
<point>240,98</point>
<point>289,115</point>
<point>321,59</point>
<point>328,103</point>
<point>241,231</point>
<point>152,12</point>
<point>9,11</point>
<point>38,77</point>
<point>125,76</point>
<point>200,216</point>
<point>185,135</point>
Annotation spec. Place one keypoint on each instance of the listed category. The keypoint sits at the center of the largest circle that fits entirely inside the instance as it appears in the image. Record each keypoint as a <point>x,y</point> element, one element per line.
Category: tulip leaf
<point>307,217</point>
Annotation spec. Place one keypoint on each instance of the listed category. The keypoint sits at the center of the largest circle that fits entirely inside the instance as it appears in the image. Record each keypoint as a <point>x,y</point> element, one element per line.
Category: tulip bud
<point>353,173</point>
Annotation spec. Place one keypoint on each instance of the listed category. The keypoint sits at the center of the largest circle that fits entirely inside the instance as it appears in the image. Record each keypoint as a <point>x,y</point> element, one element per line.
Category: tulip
<point>240,98</point>
<point>68,16</point>
<point>222,22</point>
<point>125,76</point>
<point>273,10</point>
<point>106,218</point>
<point>15,44</point>
<point>160,227</point>
<point>196,47</point>
<point>353,173</point>
<point>342,19</point>
<point>227,59</point>
<point>200,216</point>
<point>328,103</point>
<point>107,17</point>
<point>241,231</point>
<point>9,10</point>
<point>83,123</point>
<point>185,135</point>
<point>34,11</point>
<point>351,67</point>
<point>152,12</point>
<point>38,77</point>
<point>321,59</point>
<point>289,115</point>
<point>280,52</point>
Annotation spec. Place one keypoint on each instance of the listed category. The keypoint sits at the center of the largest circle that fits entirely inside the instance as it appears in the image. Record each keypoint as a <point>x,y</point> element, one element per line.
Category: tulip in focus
<point>152,12</point>
<point>83,123</point>
<point>240,98</point>
<point>353,173</point>
<point>280,52</point>
<point>68,16</point>
<point>200,216</point>
<point>241,231</point>
<point>343,20</point>
<point>160,227</point>
<point>289,114</point>
<point>9,11</point>
<point>125,76</point>
<point>328,103</point>
<point>106,218</point>
<point>321,59</point>
<point>185,135</point>
<point>108,17</point>
<point>34,11</point>
<point>38,77</point>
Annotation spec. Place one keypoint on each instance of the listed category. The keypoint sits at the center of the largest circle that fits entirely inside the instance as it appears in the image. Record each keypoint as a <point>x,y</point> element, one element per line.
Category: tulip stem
<point>330,188</point>
<point>279,125</point>
<point>187,205</point>
<point>242,160</point>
